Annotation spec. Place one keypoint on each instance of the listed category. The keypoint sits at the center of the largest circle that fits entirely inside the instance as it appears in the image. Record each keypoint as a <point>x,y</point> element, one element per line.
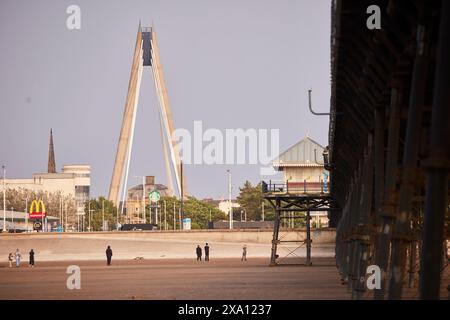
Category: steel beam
<point>382,251</point>
<point>402,236</point>
<point>437,166</point>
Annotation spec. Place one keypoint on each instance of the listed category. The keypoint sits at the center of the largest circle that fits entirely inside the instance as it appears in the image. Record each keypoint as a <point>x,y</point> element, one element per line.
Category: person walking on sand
<point>244,253</point>
<point>18,256</point>
<point>10,259</point>
<point>199,253</point>
<point>31,258</point>
<point>207,252</point>
<point>109,254</point>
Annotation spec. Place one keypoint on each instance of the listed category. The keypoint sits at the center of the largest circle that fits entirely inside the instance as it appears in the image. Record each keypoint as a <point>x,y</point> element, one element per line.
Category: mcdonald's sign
<point>37,209</point>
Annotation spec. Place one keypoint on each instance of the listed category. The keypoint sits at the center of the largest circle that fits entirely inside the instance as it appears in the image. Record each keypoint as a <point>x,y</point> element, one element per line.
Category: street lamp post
<point>43,228</point>
<point>89,214</point>
<point>143,196</point>
<point>65,219</point>
<point>262,210</point>
<point>181,190</point>
<point>165,215</point>
<point>12,217</point>
<point>61,212</point>
<point>174,217</point>
<point>103,215</point>
<point>139,209</point>
<point>4,199</point>
<point>117,222</point>
<point>179,218</point>
<point>230,212</point>
<point>26,214</point>
<point>156,213</point>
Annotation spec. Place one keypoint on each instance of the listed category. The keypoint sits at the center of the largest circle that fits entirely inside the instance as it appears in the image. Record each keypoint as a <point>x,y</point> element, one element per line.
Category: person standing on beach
<point>199,253</point>
<point>109,254</point>
<point>18,256</point>
<point>207,252</point>
<point>244,253</point>
<point>31,258</point>
<point>10,259</point>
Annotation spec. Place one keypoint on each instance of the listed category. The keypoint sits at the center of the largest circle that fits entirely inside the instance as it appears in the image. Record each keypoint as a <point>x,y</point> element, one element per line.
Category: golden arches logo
<point>37,209</point>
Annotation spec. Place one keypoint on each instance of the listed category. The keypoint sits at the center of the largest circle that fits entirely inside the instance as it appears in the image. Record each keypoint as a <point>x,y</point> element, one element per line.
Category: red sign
<point>37,215</point>
<point>37,210</point>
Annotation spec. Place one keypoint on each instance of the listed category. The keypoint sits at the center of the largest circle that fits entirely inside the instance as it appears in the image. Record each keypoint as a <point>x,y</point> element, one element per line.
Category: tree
<point>56,203</point>
<point>251,199</point>
<point>197,210</point>
<point>96,206</point>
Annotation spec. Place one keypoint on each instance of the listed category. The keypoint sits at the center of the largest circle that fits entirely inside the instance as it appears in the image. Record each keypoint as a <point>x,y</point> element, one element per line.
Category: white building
<point>17,221</point>
<point>304,172</point>
<point>74,180</point>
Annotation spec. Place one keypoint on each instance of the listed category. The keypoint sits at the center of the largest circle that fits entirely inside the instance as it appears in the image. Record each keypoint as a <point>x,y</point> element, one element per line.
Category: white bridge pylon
<point>146,53</point>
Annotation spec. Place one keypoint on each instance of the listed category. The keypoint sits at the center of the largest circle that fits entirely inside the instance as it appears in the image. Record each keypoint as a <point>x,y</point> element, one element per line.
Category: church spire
<point>51,155</point>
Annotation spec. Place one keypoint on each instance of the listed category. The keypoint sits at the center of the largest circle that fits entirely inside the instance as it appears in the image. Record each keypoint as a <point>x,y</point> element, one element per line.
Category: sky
<point>230,64</point>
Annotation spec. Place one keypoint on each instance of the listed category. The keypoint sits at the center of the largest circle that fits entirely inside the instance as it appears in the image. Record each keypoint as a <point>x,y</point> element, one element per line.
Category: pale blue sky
<point>232,64</point>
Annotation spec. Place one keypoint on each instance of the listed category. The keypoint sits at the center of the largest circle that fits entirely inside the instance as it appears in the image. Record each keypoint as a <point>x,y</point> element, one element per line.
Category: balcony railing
<point>290,187</point>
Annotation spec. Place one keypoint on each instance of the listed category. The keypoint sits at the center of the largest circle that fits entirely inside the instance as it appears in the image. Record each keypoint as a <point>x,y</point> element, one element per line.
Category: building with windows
<point>18,221</point>
<point>304,172</point>
<point>74,180</point>
<point>137,199</point>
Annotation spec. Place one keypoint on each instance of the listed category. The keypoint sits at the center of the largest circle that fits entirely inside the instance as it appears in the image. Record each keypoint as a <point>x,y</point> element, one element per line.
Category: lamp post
<point>181,190</point>
<point>143,196</point>
<point>103,215</point>
<point>139,209</point>
<point>230,212</point>
<point>26,213</point>
<point>165,215</point>
<point>65,220</point>
<point>12,217</point>
<point>117,222</point>
<point>174,217</point>
<point>42,220</point>
<point>89,214</point>
<point>61,212</point>
<point>4,199</point>
<point>262,210</point>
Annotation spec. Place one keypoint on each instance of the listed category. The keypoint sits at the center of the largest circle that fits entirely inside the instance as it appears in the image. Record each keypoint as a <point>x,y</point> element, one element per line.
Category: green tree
<point>251,199</point>
<point>197,210</point>
<point>96,206</point>
<point>56,203</point>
